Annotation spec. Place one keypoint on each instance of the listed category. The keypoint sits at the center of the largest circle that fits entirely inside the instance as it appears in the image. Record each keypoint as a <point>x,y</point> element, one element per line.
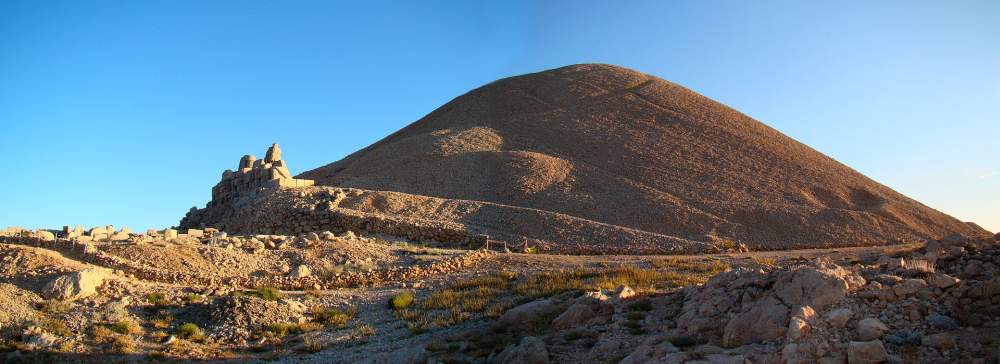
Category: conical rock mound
<point>620,147</point>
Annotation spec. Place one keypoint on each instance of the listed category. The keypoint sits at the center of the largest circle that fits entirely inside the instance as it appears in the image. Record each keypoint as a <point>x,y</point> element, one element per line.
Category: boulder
<point>74,285</point>
<point>300,271</point>
<point>813,287</point>
<point>942,340</point>
<point>797,328</point>
<point>866,352</point>
<point>908,287</point>
<point>838,318</point>
<point>529,315</point>
<point>531,350</point>
<point>623,292</point>
<point>766,319</point>
<point>804,312</point>
<point>942,322</point>
<point>871,329</point>
<point>576,315</point>
<point>941,280</point>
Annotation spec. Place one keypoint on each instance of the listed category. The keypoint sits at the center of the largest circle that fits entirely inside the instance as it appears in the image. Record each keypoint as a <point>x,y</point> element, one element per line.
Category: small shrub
<point>163,321</point>
<point>123,345</point>
<point>280,329</point>
<point>409,314</point>
<point>267,293</point>
<point>768,261</point>
<point>401,300</point>
<point>310,345</point>
<point>441,300</point>
<point>334,317</point>
<point>193,298</point>
<point>191,332</point>
<point>157,298</point>
<point>101,334</point>
<point>126,327</point>
<point>364,330</point>
<point>419,326</point>
<point>54,325</point>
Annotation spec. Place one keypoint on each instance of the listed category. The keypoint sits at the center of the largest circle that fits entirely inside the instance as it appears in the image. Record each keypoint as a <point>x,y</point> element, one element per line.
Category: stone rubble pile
<point>927,305</point>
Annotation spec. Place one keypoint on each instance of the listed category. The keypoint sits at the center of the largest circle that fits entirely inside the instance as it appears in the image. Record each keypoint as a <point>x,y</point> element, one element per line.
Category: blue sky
<point>126,112</point>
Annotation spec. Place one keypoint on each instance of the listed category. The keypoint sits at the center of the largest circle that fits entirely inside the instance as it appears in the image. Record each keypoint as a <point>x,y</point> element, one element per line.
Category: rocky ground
<point>347,298</point>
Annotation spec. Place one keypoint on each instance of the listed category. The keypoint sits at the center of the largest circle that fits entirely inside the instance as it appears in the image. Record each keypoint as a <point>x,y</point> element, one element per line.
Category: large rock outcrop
<point>75,285</point>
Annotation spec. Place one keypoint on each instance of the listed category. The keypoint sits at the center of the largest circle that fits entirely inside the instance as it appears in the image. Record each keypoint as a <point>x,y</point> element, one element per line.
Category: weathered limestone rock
<point>871,329</point>
<point>797,328</point>
<point>908,287</point>
<point>767,319</point>
<point>623,292</point>
<point>810,287</point>
<point>300,271</point>
<point>531,350</point>
<point>529,315</point>
<point>866,352</point>
<point>838,318</point>
<point>576,315</point>
<point>941,280</point>
<point>74,285</point>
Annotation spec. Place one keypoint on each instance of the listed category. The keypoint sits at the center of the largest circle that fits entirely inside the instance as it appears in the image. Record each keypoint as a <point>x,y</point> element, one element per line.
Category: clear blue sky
<point>126,112</point>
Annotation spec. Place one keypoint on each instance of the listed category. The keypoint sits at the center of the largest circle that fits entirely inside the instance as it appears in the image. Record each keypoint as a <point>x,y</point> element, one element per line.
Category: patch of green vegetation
<point>267,293</point>
<point>193,298</point>
<point>157,298</point>
<point>126,327</point>
<point>190,332</point>
<point>401,300</point>
<point>334,317</point>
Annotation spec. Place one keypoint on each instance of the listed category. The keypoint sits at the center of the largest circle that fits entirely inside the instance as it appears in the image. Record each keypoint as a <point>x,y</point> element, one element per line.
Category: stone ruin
<point>254,174</point>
